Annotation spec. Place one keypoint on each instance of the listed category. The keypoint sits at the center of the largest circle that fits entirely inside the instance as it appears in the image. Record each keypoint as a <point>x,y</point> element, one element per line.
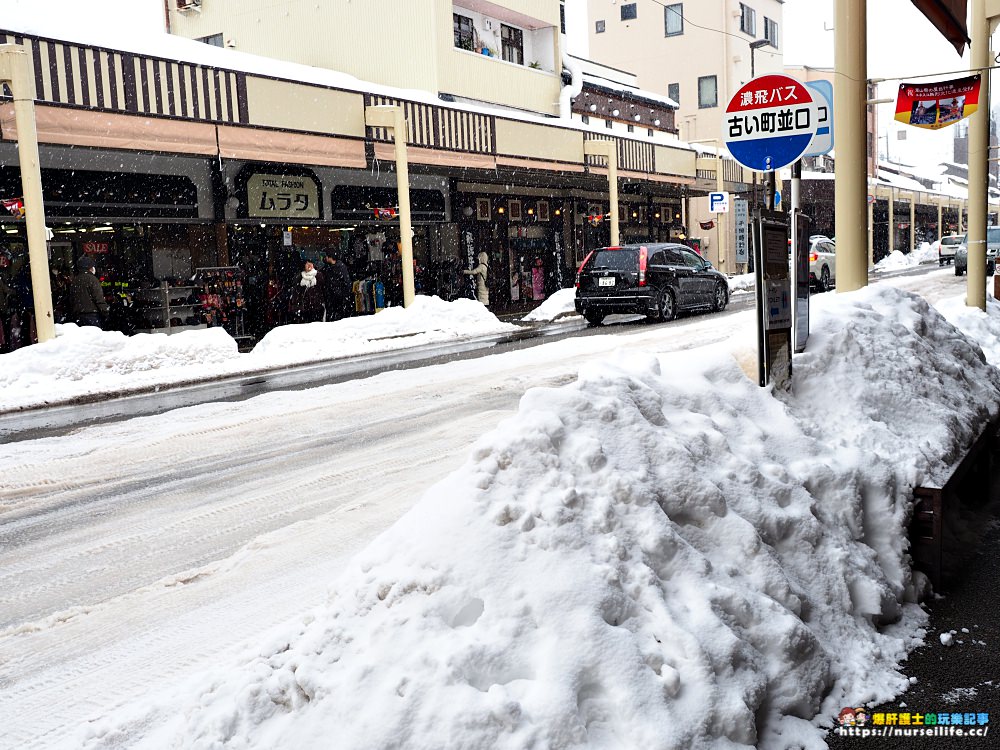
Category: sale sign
<point>937,105</point>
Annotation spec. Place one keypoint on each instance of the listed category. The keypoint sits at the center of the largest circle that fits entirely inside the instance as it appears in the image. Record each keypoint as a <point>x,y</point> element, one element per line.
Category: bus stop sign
<point>770,122</point>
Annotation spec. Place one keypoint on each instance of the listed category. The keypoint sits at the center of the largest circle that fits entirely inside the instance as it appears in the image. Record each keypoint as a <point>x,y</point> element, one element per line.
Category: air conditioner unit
<point>491,24</point>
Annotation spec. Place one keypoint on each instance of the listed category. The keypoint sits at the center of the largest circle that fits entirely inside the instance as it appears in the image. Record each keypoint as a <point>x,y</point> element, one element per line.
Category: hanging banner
<point>937,105</point>
<point>710,224</point>
<point>14,205</point>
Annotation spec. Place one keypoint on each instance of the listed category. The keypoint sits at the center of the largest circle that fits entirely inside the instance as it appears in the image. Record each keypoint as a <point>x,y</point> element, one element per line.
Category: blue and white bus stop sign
<point>770,122</point>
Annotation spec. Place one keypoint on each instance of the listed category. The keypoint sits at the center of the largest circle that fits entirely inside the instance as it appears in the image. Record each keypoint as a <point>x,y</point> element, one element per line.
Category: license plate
<point>606,281</point>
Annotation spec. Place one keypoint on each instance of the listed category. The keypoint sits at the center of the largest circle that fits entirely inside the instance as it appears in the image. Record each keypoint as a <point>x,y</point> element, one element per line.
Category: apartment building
<point>501,53</point>
<point>697,52</point>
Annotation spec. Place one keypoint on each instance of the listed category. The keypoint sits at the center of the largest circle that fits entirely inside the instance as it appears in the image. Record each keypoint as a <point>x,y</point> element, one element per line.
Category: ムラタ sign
<point>770,122</point>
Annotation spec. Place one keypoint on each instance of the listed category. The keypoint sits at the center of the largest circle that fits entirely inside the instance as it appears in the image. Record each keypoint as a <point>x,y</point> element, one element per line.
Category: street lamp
<point>754,46</point>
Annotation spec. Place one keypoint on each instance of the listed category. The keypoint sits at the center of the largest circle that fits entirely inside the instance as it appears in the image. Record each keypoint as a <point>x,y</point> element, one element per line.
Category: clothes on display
<point>222,297</point>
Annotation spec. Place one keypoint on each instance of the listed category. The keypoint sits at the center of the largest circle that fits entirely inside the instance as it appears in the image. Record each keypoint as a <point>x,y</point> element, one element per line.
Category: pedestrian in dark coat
<point>336,287</point>
<point>87,303</point>
<point>310,294</point>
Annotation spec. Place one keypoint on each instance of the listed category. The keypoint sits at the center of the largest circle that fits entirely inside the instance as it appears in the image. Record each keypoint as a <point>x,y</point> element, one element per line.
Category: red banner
<point>384,214</point>
<point>14,205</point>
<point>937,105</point>
<point>710,224</point>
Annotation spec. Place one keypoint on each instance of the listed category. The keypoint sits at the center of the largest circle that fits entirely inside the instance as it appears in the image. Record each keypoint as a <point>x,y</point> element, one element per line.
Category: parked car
<point>822,262</point>
<point>946,247</point>
<point>992,246</point>
<point>655,280</point>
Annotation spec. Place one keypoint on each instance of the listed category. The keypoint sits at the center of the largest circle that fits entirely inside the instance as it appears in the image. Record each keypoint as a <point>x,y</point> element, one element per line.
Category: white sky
<point>556,585</point>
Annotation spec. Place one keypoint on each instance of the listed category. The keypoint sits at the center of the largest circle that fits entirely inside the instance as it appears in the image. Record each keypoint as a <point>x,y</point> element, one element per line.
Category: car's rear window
<point>993,235</point>
<point>952,240</point>
<point>616,260</point>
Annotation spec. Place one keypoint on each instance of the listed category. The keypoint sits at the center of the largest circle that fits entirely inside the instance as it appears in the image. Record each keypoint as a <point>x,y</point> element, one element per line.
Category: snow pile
<point>660,554</point>
<point>560,303</point>
<point>897,260</point>
<point>89,360</point>
<point>83,361</point>
<point>982,326</point>
<point>427,320</point>
<point>741,283</point>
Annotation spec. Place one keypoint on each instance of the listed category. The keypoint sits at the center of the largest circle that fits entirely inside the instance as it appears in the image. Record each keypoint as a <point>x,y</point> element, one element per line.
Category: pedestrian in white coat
<point>480,272</point>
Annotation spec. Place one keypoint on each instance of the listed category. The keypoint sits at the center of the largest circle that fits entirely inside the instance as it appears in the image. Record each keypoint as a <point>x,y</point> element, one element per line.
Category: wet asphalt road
<point>963,677</point>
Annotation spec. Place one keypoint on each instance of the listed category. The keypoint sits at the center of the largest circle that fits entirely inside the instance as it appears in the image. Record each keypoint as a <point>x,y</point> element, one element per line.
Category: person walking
<point>310,294</point>
<point>336,286</point>
<point>480,272</point>
<point>86,295</point>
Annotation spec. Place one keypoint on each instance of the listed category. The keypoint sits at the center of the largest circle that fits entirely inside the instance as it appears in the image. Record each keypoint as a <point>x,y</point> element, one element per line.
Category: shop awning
<point>948,17</point>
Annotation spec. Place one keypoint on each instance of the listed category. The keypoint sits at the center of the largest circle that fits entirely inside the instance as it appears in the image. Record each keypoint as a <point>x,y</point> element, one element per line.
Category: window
<point>629,12</point>
<point>691,260</point>
<point>562,17</point>
<point>748,20</point>
<point>771,31</point>
<point>673,19</point>
<point>674,92</point>
<point>708,92</point>
<point>511,44</point>
<point>631,128</point>
<point>214,39</point>
<point>598,27</point>
<point>650,132</point>
<point>608,124</point>
<point>462,29</point>
<point>585,119</point>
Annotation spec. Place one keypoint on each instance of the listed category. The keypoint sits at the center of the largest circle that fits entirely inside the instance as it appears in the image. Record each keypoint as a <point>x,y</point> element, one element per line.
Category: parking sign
<point>770,122</point>
<point>718,203</point>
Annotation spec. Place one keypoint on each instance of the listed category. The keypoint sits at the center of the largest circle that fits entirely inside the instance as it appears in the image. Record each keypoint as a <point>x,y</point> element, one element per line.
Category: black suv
<point>656,280</point>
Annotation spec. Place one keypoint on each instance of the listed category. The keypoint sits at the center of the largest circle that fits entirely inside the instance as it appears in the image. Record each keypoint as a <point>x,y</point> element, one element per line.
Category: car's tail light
<point>642,266</point>
<point>580,269</point>
<point>813,257</point>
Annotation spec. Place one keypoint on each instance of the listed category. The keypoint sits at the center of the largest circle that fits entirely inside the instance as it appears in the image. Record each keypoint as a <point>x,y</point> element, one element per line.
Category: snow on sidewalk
<point>660,554</point>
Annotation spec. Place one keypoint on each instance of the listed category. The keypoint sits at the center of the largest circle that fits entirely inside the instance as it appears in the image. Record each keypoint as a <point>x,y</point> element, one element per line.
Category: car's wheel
<point>958,271</point>
<point>824,279</point>
<point>668,305</point>
<point>594,317</point>
<point>941,261</point>
<point>721,297</point>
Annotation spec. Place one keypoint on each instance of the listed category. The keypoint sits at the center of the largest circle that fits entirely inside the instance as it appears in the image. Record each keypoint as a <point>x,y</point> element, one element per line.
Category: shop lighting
<point>558,212</point>
<point>11,231</point>
<point>531,212</point>
<point>500,210</point>
<point>102,229</point>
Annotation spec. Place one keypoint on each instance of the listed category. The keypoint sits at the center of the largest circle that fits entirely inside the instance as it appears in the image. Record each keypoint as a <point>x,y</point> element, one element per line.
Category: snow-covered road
<point>134,555</point>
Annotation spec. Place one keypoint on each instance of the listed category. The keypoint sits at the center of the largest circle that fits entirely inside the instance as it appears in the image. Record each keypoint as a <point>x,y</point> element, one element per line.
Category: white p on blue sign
<point>718,203</point>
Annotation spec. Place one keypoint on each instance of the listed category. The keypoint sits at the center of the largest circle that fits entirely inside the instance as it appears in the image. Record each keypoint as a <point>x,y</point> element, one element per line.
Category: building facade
<point>198,173</point>
<point>503,53</point>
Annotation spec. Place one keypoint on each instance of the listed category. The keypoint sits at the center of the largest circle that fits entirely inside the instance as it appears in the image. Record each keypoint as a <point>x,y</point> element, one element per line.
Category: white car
<point>946,246</point>
<point>822,262</point>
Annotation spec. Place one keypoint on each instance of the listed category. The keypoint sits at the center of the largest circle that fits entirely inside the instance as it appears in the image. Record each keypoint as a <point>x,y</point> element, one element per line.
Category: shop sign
<point>385,214</point>
<point>741,212</point>
<point>282,196</point>
<point>96,248</point>
<point>937,105</point>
